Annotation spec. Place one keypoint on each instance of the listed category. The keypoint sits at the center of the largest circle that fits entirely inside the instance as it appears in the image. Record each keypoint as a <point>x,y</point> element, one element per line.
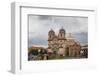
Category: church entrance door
<point>67,51</point>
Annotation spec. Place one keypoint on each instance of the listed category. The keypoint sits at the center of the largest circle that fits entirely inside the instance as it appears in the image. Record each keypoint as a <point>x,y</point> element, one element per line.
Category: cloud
<point>39,26</point>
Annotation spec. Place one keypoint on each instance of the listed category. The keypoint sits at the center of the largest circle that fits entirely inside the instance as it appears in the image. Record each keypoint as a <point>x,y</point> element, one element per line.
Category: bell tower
<point>61,34</point>
<point>51,34</point>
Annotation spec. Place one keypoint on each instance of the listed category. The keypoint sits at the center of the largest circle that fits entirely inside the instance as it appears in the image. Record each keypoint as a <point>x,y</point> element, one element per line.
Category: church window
<point>50,36</point>
<point>61,35</point>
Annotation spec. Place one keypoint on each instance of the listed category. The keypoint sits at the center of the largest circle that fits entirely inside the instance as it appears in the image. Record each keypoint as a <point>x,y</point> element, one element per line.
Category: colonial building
<point>63,45</point>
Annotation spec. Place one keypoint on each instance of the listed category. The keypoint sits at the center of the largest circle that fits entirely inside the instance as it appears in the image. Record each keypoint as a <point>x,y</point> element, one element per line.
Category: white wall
<point>5,33</point>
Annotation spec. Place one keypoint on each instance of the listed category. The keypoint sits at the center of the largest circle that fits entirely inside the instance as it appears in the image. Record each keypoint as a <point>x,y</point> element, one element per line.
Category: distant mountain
<point>81,37</point>
<point>37,41</point>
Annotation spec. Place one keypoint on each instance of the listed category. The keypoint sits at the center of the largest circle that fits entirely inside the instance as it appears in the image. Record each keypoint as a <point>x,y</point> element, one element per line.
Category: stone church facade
<point>62,45</point>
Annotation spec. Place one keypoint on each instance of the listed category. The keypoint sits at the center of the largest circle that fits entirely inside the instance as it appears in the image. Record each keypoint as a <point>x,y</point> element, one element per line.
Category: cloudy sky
<point>39,25</point>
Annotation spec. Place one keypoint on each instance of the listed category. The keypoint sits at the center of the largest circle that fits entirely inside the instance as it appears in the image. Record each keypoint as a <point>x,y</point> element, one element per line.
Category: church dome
<point>70,37</point>
<point>71,40</point>
<point>62,30</point>
<point>51,31</point>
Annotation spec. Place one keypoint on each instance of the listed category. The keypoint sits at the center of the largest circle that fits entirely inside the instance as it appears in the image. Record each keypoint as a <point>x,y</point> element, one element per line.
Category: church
<point>63,45</point>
